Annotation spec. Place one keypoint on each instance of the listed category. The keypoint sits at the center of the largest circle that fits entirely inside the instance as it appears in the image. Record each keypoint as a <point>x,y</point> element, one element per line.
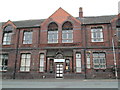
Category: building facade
<point>61,46</point>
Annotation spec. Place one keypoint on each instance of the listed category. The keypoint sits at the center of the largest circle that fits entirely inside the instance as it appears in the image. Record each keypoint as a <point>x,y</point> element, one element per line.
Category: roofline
<point>29,27</point>
<point>99,16</point>
<point>81,24</point>
<point>95,23</point>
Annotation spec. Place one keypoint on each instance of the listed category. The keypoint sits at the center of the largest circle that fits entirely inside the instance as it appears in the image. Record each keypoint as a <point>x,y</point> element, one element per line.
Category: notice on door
<point>59,60</point>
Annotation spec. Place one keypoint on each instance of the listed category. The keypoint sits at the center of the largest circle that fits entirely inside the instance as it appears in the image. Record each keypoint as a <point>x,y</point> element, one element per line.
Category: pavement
<point>60,83</point>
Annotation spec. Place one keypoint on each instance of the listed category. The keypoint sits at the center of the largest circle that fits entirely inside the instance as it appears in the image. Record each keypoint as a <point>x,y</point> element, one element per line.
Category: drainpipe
<point>114,56</point>
<point>85,48</point>
<point>85,52</point>
<point>85,63</point>
<point>14,72</point>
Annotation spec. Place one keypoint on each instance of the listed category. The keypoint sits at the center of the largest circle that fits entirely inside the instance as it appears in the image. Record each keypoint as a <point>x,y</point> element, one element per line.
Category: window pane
<point>95,54</point>
<point>52,36</point>
<point>7,38</point>
<point>94,35</point>
<point>22,68</point>
<point>28,56</point>
<point>102,54</point>
<point>9,28</point>
<point>25,62</point>
<point>70,36</point>
<point>27,37</point>
<point>96,66</point>
<point>41,69</point>
<point>78,69</point>
<point>78,62</point>
<point>55,41</point>
<point>49,36</point>
<point>64,31</point>
<point>5,56</point>
<point>6,62</point>
<point>41,62</point>
<point>50,41</point>
<point>3,62</point>
<point>5,34</point>
<point>64,41</point>
<point>69,41</point>
<point>27,68</point>
<point>93,30</point>
<point>97,35</point>
<point>99,60</point>
<point>88,60</point>
<point>23,56</point>
<point>102,61</point>
<point>67,26</point>
<point>101,35</point>
<point>67,36</point>
<point>55,36</point>
<point>42,56</point>
<point>64,36</point>
<point>28,62</point>
<point>70,31</point>
<point>96,61</point>
<point>88,66</point>
<point>4,68</point>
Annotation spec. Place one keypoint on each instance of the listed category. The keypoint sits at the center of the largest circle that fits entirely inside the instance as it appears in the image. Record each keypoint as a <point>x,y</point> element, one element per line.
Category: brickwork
<point>81,43</point>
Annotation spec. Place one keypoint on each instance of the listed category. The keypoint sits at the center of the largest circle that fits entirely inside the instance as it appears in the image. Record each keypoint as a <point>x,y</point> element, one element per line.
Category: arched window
<point>67,32</point>
<point>53,33</point>
<point>52,26</point>
<point>7,33</point>
<point>67,26</point>
<point>8,28</point>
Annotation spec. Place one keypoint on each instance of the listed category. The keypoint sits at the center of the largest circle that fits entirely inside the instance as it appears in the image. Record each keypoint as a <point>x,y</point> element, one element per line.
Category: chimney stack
<point>80,12</point>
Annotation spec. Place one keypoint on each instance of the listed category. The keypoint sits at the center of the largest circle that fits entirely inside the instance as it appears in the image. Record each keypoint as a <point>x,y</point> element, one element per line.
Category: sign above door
<point>59,60</point>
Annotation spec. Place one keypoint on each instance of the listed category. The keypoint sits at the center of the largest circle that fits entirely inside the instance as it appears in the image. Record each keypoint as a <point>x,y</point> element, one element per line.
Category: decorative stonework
<point>59,54</point>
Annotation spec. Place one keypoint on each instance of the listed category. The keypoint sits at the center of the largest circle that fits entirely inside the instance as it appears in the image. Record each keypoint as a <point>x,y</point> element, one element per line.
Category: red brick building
<point>61,46</point>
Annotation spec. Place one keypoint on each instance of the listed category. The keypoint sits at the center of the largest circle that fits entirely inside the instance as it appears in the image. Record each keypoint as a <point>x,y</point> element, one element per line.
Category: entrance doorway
<point>59,70</point>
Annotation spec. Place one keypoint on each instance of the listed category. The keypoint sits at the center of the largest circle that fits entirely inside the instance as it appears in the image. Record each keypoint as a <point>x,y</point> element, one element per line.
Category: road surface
<point>60,83</point>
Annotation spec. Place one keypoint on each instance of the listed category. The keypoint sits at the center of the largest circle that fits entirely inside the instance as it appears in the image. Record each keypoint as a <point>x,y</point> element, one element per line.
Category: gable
<point>7,23</point>
<point>60,16</point>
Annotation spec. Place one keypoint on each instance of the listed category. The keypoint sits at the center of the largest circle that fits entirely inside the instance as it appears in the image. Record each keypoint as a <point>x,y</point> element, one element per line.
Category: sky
<point>16,10</point>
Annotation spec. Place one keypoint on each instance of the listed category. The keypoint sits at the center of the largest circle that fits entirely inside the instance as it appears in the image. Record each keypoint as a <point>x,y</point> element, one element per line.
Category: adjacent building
<point>61,46</point>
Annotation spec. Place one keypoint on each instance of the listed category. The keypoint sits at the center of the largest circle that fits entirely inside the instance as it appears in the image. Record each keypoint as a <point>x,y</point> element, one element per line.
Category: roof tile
<point>84,20</point>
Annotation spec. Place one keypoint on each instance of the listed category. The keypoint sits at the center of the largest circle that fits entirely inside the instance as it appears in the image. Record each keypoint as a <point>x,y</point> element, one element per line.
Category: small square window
<point>97,34</point>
